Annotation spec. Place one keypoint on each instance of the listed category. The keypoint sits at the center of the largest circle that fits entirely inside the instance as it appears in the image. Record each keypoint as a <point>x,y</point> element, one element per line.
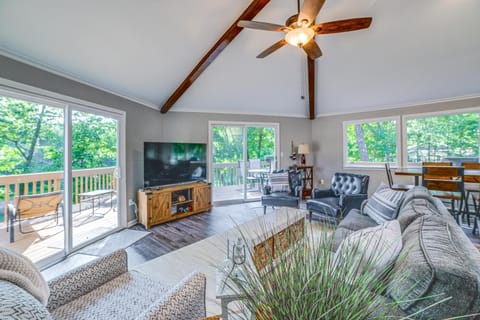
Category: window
<point>371,142</point>
<point>446,136</point>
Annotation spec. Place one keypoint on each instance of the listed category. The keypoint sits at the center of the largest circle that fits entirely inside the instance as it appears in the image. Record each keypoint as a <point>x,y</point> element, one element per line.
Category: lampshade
<point>303,149</point>
<point>299,36</point>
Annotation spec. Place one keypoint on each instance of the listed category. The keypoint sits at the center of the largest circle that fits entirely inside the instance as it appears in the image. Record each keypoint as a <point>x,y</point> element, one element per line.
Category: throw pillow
<point>375,247</point>
<point>384,203</point>
<point>279,182</point>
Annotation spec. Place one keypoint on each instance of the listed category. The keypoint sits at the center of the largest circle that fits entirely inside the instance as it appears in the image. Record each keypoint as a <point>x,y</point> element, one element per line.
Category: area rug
<point>114,242</point>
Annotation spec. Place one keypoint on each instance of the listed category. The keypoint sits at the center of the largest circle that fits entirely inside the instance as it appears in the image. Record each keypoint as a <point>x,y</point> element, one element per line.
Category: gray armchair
<point>347,192</point>
<point>284,189</point>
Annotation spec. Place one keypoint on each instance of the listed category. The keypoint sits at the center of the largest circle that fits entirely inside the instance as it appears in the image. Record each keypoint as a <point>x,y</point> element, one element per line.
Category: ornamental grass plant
<point>308,282</point>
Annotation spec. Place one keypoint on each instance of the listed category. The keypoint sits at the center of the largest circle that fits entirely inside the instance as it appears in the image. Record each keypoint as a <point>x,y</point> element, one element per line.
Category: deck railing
<point>230,173</point>
<point>84,180</point>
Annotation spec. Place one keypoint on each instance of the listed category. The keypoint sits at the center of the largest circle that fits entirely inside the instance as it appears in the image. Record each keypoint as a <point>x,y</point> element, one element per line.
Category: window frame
<point>360,164</point>
<point>406,117</point>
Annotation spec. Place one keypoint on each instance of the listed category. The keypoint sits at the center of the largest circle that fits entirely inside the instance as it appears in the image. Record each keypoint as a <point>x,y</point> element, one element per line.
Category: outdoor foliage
<point>228,143</point>
<point>428,139</point>
<point>32,138</point>
<point>434,138</point>
<point>372,141</point>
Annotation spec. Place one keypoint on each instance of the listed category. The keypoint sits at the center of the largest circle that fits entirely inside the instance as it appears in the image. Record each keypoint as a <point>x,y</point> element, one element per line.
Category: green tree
<point>23,126</point>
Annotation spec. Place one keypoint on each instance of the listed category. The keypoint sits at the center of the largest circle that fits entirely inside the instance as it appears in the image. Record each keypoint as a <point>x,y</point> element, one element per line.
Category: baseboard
<point>131,223</point>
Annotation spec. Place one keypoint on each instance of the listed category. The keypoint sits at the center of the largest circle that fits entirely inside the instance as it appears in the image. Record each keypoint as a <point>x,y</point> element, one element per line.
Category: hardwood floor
<point>174,235</point>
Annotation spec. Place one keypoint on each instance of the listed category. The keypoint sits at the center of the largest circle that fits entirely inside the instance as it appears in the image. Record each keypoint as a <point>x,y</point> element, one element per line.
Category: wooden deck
<point>46,237</point>
<point>228,193</point>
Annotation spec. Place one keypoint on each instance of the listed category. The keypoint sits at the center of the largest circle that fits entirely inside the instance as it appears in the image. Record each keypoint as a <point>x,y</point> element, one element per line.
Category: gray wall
<point>327,139</point>
<point>147,124</point>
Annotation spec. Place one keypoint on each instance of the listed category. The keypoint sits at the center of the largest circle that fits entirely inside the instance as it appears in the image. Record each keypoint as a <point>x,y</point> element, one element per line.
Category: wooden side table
<point>307,180</point>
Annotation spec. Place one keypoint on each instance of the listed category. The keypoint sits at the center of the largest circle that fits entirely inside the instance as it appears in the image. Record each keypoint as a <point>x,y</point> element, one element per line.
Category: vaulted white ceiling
<point>414,51</point>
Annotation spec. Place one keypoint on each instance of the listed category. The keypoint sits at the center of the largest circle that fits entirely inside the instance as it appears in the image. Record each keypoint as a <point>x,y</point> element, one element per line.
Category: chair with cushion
<point>32,206</point>
<point>347,192</point>
<point>284,189</point>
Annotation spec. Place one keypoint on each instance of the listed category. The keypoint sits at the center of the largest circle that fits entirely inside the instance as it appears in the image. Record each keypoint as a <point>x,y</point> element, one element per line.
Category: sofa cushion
<point>417,192</point>
<point>384,203</point>
<point>417,208</point>
<point>438,262</point>
<point>375,247</point>
<point>16,303</point>
<point>352,222</point>
<point>108,300</point>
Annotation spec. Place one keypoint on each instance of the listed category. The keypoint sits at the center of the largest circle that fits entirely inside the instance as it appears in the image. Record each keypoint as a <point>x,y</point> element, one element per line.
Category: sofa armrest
<point>322,193</point>
<point>352,201</point>
<point>84,279</point>
<point>186,300</point>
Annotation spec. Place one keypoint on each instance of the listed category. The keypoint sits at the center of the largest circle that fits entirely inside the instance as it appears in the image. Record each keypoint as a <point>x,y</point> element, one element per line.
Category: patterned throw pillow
<point>279,182</point>
<point>384,203</point>
<point>375,247</point>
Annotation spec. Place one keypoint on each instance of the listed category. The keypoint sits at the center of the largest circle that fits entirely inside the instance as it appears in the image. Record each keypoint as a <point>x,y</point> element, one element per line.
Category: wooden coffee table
<point>282,232</point>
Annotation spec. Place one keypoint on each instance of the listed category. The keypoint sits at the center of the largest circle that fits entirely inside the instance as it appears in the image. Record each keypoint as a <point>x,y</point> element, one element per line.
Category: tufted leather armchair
<point>347,192</point>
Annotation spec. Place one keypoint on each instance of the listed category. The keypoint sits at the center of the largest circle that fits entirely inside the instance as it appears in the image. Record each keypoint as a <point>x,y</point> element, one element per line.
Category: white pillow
<point>376,247</point>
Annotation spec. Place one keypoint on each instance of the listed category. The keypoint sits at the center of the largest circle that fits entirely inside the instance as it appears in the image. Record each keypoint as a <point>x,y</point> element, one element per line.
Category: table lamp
<point>303,149</point>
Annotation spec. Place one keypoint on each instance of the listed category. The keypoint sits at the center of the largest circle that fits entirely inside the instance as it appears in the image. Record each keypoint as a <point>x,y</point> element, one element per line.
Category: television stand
<point>167,203</point>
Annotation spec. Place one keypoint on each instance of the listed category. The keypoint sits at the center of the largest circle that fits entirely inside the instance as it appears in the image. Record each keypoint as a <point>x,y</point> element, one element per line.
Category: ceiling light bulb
<point>300,36</point>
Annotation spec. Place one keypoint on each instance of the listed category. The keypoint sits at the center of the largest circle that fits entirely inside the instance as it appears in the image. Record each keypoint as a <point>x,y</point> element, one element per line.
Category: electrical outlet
<point>131,202</point>
<point>322,181</point>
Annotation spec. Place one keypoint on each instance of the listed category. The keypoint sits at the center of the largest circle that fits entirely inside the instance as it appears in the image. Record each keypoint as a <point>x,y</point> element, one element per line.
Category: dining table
<point>416,172</point>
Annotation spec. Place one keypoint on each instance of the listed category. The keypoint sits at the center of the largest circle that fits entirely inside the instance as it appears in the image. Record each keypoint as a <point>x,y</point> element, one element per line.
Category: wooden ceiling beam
<point>253,9</point>
<point>311,87</point>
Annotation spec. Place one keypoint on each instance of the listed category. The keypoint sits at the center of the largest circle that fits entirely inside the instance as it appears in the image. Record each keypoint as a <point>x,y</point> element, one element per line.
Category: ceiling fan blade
<point>342,25</point>
<point>312,49</point>
<point>272,48</point>
<point>309,11</point>
<point>261,25</point>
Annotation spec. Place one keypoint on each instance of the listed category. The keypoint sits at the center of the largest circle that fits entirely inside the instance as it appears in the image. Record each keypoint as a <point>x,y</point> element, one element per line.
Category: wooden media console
<point>167,203</point>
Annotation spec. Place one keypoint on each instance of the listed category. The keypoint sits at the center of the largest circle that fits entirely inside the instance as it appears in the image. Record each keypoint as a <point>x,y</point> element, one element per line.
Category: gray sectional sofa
<point>102,289</point>
<point>438,260</point>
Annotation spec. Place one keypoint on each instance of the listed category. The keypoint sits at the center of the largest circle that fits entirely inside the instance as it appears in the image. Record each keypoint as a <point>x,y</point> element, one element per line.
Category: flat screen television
<point>170,163</point>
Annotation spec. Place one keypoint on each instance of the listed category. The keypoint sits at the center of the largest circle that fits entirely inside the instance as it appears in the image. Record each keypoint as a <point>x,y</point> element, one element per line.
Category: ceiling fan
<point>300,30</point>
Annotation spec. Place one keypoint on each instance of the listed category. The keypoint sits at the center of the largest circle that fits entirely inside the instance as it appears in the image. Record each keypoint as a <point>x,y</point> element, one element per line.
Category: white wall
<point>328,145</point>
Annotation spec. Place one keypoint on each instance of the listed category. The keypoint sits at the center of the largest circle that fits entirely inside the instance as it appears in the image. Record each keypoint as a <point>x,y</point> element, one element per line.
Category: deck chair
<point>446,183</point>
<point>32,206</point>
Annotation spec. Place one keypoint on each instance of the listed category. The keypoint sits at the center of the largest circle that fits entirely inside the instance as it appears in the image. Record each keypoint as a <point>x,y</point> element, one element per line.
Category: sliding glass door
<point>59,175</point>
<point>94,175</point>
<point>241,156</point>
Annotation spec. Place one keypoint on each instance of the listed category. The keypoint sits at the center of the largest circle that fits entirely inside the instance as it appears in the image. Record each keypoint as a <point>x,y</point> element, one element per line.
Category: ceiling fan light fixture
<point>299,36</point>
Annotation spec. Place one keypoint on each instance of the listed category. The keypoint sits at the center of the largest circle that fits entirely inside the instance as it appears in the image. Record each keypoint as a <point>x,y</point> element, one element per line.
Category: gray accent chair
<point>105,289</point>
<point>288,198</point>
<point>347,192</point>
